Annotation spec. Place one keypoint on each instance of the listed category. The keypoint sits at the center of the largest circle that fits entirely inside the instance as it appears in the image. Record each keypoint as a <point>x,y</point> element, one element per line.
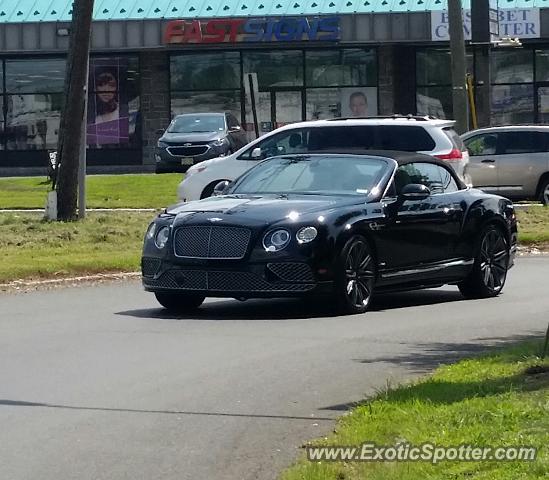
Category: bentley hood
<point>258,209</point>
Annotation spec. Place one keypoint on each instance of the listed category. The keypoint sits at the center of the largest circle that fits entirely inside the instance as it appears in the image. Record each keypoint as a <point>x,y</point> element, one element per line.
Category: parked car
<point>343,226</point>
<point>512,161</point>
<point>193,138</point>
<point>412,134</point>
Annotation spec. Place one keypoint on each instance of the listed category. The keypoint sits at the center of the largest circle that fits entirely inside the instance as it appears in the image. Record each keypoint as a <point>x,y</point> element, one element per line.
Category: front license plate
<point>187,161</point>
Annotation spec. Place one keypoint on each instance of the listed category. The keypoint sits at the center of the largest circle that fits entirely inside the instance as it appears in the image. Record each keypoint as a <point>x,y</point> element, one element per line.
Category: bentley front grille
<point>213,242</point>
<point>292,272</point>
<point>219,281</point>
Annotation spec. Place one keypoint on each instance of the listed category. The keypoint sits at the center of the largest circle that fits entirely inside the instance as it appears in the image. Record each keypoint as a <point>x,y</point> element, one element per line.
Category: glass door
<point>542,95</point>
<point>288,107</point>
<point>275,108</point>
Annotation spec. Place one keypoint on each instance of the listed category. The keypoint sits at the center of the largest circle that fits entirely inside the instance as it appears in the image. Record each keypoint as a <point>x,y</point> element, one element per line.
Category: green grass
<point>103,242</point>
<point>103,191</point>
<point>486,401</point>
<point>534,226</point>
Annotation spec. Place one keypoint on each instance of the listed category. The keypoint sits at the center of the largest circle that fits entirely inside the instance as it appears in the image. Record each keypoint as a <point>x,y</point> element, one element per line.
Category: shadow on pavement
<point>428,356</point>
<point>425,357</point>
<point>20,403</point>
<point>294,309</point>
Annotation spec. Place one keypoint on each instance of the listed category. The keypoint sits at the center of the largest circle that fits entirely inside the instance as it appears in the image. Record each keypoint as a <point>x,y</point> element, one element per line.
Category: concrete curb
<point>20,285</point>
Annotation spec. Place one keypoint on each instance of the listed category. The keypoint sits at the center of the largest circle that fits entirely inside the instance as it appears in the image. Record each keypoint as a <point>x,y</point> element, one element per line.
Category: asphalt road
<point>99,383</point>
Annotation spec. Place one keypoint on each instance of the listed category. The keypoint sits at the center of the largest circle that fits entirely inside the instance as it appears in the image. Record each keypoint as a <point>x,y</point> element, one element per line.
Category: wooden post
<point>73,114</point>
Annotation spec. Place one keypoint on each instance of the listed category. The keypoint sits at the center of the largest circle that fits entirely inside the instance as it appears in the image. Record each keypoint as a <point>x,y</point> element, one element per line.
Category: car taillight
<point>454,155</point>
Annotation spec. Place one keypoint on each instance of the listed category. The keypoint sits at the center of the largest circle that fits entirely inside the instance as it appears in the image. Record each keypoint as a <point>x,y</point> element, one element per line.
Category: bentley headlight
<point>306,234</point>
<point>276,240</point>
<point>162,237</point>
<point>151,231</point>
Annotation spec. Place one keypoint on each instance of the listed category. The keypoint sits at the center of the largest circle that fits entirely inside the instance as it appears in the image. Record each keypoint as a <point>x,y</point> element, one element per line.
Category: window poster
<point>359,102</point>
<point>108,112</point>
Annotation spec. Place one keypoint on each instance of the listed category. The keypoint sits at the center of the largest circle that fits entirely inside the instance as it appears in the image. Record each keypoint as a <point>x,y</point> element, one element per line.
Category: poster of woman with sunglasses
<point>108,116</point>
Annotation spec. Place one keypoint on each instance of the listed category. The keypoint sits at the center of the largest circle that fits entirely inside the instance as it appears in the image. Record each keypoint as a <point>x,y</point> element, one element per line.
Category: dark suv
<point>195,137</point>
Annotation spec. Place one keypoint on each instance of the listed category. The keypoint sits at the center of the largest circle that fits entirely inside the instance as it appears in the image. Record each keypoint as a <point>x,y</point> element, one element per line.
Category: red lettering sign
<point>252,30</point>
<point>214,31</point>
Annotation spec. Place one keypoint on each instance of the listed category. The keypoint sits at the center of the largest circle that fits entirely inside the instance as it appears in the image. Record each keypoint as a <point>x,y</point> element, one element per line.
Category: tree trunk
<point>72,117</point>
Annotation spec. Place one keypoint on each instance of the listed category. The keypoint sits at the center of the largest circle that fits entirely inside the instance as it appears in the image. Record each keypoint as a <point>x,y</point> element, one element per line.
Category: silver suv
<point>512,161</point>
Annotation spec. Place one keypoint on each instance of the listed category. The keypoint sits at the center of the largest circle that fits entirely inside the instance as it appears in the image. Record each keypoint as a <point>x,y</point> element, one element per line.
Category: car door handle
<point>488,160</point>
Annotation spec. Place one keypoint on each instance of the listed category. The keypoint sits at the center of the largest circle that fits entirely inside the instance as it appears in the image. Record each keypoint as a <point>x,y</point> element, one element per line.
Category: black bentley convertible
<point>345,226</point>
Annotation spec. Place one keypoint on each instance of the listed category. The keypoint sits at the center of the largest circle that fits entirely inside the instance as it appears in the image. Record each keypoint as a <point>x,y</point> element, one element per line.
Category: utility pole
<point>82,160</point>
<point>484,33</point>
<point>457,53</point>
<point>73,115</point>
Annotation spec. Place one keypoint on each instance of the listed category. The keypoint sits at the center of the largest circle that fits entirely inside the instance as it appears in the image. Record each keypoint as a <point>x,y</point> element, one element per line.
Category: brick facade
<point>155,100</point>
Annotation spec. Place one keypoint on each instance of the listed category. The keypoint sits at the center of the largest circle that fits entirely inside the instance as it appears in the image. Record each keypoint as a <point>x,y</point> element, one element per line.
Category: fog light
<point>306,234</point>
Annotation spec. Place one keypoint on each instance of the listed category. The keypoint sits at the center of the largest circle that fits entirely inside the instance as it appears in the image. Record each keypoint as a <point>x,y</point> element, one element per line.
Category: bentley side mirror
<point>414,191</point>
<point>160,132</point>
<point>257,154</point>
<point>220,188</point>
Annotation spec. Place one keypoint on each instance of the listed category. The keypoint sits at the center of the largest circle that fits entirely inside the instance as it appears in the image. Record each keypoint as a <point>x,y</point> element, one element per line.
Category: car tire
<point>544,192</point>
<point>208,191</point>
<point>489,272</point>
<point>355,276</point>
<point>179,302</point>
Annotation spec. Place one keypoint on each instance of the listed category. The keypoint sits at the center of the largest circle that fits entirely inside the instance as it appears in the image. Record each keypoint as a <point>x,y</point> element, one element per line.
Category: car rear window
<point>521,142</point>
<point>455,138</point>
<point>377,137</point>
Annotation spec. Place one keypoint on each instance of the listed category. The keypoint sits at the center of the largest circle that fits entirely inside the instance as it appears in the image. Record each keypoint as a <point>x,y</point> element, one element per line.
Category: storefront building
<point>312,59</point>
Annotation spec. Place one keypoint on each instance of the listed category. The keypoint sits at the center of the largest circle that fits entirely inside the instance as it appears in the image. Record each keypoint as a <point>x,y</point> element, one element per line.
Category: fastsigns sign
<point>252,30</point>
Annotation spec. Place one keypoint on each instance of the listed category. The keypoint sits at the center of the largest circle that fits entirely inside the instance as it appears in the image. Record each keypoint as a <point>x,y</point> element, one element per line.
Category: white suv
<point>410,133</point>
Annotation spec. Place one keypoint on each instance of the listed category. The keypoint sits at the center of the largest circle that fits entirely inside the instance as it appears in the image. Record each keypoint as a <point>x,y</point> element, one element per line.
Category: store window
<point>276,68</point>
<point>206,82</point>
<point>328,68</point>
<point>341,83</point>
<point>434,82</point>
<point>542,65</point>
<point>35,76</point>
<point>512,75</point>
<point>205,102</point>
<point>33,100</point>
<point>515,66</point>
<point>205,71</point>
<point>512,104</point>
<point>113,104</point>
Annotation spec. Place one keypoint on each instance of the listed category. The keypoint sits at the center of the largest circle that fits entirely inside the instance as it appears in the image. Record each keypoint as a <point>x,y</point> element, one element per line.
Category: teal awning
<point>21,11</point>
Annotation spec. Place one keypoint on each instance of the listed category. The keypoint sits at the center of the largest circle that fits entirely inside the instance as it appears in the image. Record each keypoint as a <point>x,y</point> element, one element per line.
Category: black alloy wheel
<point>491,264</point>
<point>179,302</point>
<point>356,278</point>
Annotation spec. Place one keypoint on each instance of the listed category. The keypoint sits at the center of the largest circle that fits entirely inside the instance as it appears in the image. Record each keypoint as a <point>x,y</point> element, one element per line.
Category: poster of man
<point>108,113</point>
<point>359,102</point>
